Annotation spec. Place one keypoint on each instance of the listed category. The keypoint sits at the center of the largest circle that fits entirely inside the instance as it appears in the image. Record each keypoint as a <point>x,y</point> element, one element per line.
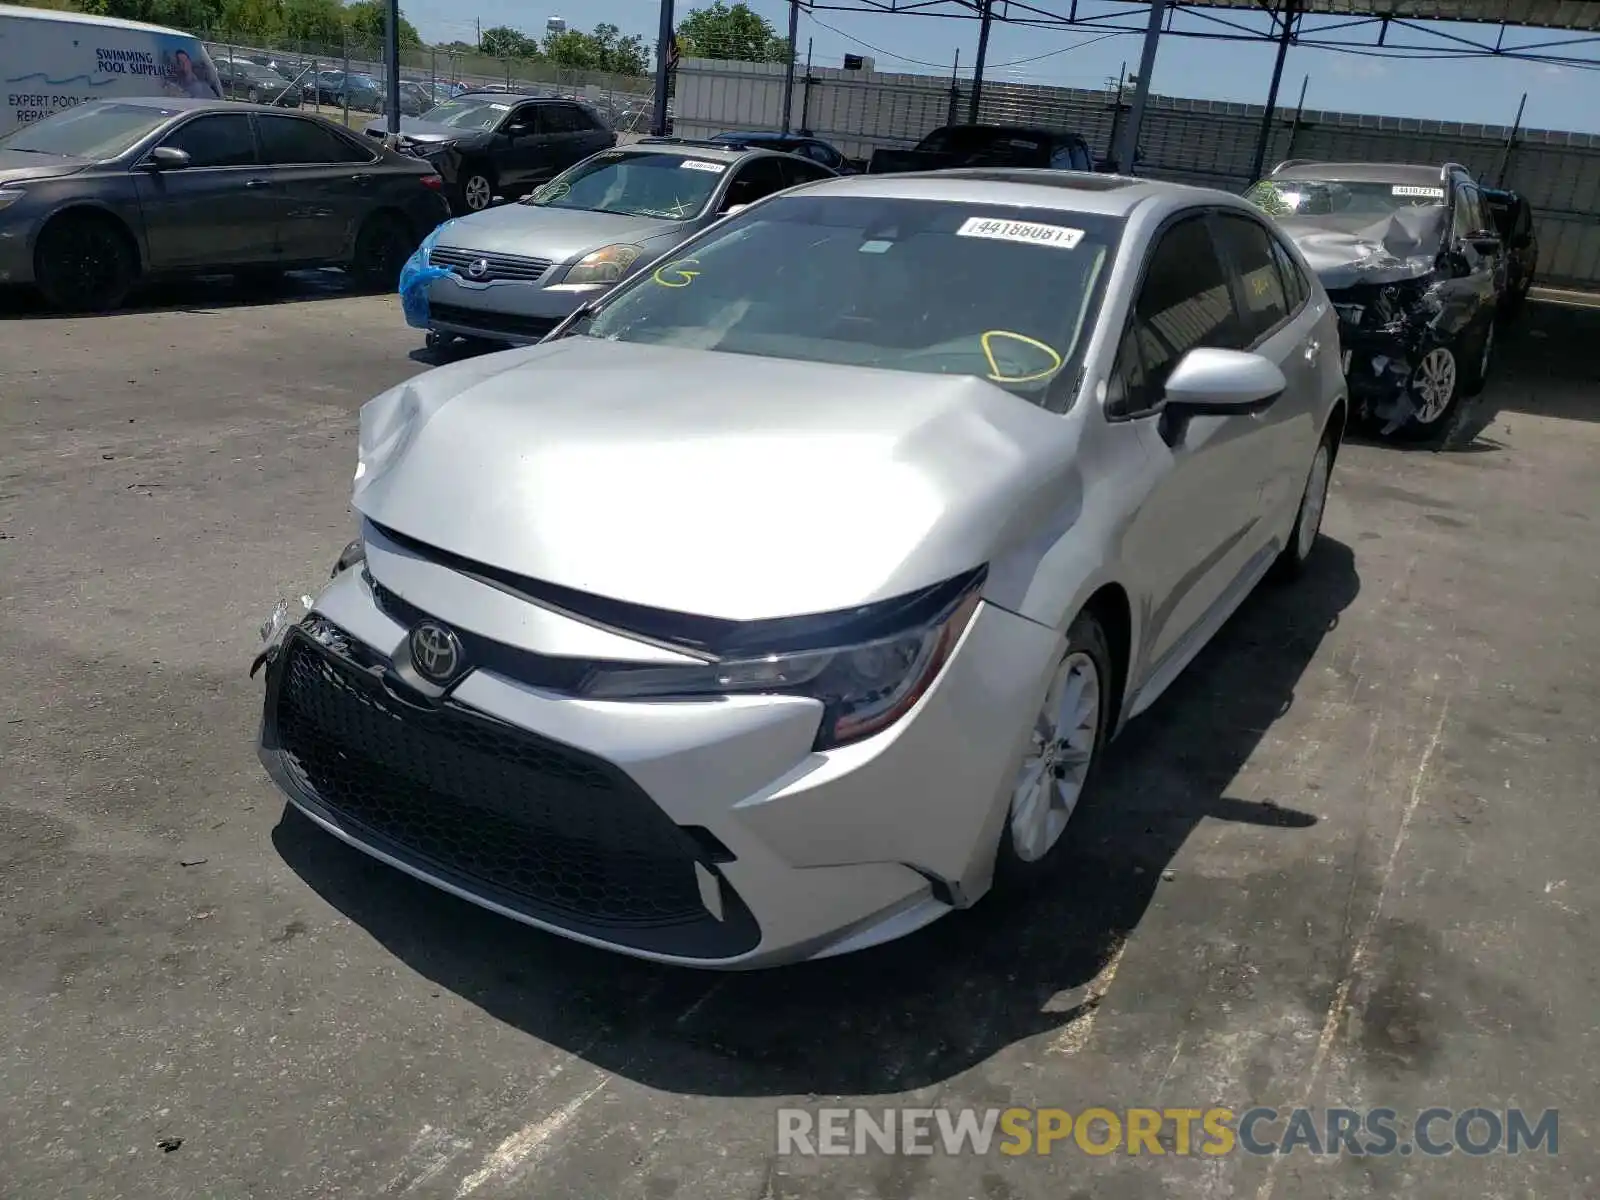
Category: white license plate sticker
<point>1424,193</point>
<point>1344,363</point>
<point>1029,232</point>
<point>699,164</point>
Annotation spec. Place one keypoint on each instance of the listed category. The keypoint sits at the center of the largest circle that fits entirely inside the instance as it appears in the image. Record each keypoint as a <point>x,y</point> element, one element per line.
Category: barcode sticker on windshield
<point>699,164</point>
<point>1426,193</point>
<point>1030,232</point>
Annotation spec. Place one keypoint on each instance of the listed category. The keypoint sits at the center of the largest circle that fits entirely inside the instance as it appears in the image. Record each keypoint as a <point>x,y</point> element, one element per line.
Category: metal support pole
<point>391,62</point>
<point>985,19</point>
<point>955,89</point>
<point>664,36</point>
<point>805,95</point>
<point>1284,39</point>
<point>1294,125</point>
<point>1511,138</point>
<point>1116,116</point>
<point>345,40</point>
<point>788,70</point>
<point>1129,142</point>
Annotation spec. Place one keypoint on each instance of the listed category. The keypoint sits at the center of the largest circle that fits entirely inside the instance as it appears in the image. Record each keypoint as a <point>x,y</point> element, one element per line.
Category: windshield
<point>474,113</point>
<point>1340,197</point>
<point>98,129</point>
<point>667,186</point>
<point>1005,294</point>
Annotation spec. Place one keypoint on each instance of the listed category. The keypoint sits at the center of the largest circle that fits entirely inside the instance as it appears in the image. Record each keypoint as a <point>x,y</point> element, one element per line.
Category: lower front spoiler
<point>897,921</point>
<point>878,902</point>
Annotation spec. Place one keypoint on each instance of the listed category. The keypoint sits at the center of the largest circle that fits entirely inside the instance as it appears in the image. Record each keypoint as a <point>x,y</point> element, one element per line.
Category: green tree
<point>731,33</point>
<point>620,55</point>
<point>505,42</point>
<point>319,22</point>
<point>367,20</point>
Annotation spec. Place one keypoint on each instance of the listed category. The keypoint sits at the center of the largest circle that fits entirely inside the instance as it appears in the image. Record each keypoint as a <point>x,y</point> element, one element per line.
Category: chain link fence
<point>348,80</point>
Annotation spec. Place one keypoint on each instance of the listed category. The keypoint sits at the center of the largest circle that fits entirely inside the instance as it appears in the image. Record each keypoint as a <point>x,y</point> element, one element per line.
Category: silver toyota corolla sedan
<point>511,274</point>
<point>786,598</point>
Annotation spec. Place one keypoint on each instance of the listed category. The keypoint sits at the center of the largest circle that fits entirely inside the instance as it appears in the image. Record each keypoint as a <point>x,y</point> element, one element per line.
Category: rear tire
<point>85,263</point>
<point>475,192</point>
<point>382,247</point>
<point>1061,763</point>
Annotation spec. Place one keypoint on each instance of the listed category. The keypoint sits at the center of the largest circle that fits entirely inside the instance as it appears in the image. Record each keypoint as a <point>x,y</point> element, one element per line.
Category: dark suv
<point>1412,261</point>
<point>486,143</point>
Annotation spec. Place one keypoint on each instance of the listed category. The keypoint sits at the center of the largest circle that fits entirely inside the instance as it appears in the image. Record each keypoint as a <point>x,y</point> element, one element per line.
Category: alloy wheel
<point>1316,499</point>
<point>1056,767</point>
<point>1434,383</point>
<point>477,193</point>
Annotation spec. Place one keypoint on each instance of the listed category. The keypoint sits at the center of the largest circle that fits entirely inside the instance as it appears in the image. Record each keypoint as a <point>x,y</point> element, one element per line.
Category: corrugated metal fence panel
<point>1211,143</point>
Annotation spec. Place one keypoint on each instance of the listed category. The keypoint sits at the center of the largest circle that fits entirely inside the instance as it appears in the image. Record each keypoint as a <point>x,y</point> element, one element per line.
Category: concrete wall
<point>1193,141</point>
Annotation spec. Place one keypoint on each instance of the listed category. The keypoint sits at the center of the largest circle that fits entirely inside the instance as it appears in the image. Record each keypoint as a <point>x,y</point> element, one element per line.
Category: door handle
<point>258,183</point>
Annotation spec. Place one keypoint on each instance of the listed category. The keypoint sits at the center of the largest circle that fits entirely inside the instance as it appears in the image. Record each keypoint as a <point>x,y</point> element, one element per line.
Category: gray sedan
<point>785,599</point>
<point>518,269</point>
<point>111,192</point>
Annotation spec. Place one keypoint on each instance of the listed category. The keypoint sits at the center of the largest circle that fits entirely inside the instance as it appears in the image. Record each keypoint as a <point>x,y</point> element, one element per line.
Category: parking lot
<point>1346,861</point>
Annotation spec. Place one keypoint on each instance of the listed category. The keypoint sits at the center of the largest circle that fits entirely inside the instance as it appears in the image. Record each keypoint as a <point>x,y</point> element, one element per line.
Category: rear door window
<point>288,141</point>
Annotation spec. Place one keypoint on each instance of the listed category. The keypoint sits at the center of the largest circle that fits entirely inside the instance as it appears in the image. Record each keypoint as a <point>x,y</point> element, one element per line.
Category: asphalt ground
<point>1347,861</point>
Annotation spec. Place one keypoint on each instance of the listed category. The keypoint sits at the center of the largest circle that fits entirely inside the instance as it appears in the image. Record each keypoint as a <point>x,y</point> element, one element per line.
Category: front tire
<point>1060,765</point>
<point>84,263</point>
<point>1291,562</point>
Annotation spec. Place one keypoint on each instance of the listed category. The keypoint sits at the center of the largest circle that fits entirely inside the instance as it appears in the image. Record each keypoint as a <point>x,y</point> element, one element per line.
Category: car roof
<point>732,152</point>
<point>1069,191</point>
<point>77,18</point>
<point>1360,172</point>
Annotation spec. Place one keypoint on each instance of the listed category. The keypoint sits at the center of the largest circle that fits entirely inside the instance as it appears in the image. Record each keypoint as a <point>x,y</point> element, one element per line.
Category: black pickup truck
<point>953,146</point>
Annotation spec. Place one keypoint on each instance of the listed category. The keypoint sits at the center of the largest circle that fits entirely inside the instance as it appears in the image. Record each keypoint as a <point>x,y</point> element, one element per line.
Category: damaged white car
<point>784,599</point>
<point>1412,262</point>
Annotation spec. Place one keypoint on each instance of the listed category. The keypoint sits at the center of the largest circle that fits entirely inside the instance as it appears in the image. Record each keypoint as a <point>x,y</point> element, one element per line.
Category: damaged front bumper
<point>1385,331</point>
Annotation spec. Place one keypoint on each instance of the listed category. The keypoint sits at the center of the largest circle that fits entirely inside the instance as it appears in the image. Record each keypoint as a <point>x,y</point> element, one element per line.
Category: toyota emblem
<point>436,652</point>
<point>479,268</point>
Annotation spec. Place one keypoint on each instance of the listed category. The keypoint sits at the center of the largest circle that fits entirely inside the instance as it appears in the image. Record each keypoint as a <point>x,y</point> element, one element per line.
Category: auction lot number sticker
<point>1030,232</point>
<point>1425,193</point>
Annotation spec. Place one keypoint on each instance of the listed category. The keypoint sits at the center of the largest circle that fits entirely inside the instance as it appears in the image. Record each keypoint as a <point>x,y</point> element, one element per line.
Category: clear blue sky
<point>1472,90</point>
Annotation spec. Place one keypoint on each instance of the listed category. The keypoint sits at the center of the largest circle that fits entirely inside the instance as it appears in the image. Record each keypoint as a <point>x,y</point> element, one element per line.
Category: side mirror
<point>1215,382</point>
<point>1485,243</point>
<point>166,158</point>
<point>517,129</point>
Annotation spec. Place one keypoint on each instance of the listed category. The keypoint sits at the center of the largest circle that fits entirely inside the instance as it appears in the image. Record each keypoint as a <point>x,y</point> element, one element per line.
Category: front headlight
<point>604,265</point>
<point>864,687</point>
<point>9,196</point>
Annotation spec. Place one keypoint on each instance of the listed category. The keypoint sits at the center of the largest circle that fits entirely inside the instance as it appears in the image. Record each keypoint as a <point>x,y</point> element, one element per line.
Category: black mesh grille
<point>487,322</point>
<point>540,827</point>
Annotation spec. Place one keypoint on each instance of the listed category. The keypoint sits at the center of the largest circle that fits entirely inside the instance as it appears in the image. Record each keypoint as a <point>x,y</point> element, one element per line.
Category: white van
<point>51,60</point>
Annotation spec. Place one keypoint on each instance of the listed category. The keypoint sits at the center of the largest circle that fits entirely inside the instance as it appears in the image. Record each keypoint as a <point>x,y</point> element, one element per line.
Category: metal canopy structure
<point>1373,28</point>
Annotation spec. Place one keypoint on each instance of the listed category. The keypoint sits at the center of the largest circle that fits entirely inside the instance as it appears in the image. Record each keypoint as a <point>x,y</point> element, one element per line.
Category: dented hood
<point>1345,251</point>
<point>718,484</point>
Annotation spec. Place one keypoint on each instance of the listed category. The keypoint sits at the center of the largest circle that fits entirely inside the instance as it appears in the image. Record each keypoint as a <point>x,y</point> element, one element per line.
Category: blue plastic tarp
<point>415,278</point>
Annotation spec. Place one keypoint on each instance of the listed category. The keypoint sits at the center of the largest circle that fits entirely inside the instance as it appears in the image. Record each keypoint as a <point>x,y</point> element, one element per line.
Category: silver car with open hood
<point>785,600</point>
